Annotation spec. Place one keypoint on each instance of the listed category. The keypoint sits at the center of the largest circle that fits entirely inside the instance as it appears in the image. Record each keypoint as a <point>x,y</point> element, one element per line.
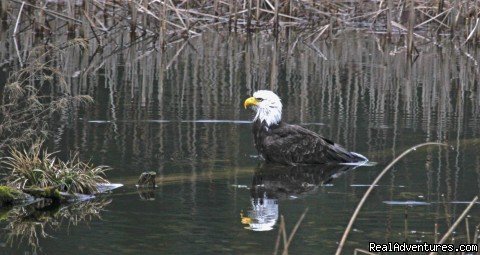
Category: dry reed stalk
<point>294,231</point>
<point>434,18</point>
<point>389,17</point>
<point>467,228</point>
<point>172,6</point>
<point>47,11</point>
<point>279,235</point>
<point>282,233</point>
<point>257,11</point>
<point>411,21</point>
<point>71,13</point>
<point>39,22</point>
<point>372,186</point>
<point>163,26</point>
<point>4,10</point>
<point>270,5</point>
<point>235,16</point>
<point>322,30</point>
<point>215,7</point>
<point>15,30</point>
<point>146,21</point>
<point>249,15</point>
<point>230,16</point>
<point>470,35</point>
<point>276,18</point>
<point>454,226</point>
<point>17,51</point>
<point>440,6</point>
<point>357,250</point>
<point>475,236</point>
<point>176,55</point>
<point>282,15</point>
<point>133,21</point>
<point>92,27</point>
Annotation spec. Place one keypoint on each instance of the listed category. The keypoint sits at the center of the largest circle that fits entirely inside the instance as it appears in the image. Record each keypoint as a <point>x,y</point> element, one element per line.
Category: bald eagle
<point>279,142</point>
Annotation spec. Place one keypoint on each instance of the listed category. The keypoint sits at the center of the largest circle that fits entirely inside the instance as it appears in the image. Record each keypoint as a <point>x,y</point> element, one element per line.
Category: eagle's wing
<point>293,144</point>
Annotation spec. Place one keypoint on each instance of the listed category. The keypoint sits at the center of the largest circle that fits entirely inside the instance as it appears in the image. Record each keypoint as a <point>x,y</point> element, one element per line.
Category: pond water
<point>180,114</point>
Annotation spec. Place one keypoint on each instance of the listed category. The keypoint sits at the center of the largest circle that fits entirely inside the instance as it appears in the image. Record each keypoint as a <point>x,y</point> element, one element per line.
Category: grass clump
<point>35,168</point>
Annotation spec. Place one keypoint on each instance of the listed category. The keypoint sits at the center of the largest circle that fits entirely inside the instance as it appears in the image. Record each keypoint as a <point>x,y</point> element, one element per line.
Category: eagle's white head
<point>267,106</point>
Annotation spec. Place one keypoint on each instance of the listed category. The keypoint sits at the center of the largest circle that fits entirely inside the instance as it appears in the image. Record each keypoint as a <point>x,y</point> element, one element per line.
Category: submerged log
<point>147,180</point>
<point>52,193</point>
<point>48,192</point>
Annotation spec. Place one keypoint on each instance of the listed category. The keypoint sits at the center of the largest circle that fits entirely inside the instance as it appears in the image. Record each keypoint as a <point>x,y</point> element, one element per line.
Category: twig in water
<point>284,233</point>
<point>374,183</point>
<point>292,234</point>
<point>277,243</point>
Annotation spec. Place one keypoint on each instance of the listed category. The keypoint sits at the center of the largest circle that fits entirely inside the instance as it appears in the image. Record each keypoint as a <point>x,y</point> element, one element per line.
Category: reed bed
<point>169,21</point>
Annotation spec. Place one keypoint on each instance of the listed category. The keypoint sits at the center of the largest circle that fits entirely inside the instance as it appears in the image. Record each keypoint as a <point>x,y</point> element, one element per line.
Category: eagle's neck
<point>269,115</point>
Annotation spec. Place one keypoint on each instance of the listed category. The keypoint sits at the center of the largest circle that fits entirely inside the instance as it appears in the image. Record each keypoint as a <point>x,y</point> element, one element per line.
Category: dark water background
<point>180,114</point>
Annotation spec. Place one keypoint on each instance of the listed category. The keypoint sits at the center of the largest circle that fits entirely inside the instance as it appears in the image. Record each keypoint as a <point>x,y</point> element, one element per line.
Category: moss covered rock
<point>10,196</point>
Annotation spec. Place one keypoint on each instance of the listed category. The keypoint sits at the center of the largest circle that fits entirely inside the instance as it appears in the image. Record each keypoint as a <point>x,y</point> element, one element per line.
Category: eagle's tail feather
<point>359,160</point>
<point>360,157</point>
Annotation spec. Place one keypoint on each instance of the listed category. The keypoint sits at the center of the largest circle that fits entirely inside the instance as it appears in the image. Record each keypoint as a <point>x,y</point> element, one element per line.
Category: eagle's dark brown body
<point>293,145</point>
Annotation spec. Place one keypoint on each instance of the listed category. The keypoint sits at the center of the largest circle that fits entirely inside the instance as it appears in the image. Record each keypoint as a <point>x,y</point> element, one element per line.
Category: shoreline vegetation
<point>170,21</point>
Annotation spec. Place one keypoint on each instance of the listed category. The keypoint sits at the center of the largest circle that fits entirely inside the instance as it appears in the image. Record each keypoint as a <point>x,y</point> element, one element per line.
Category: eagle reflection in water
<point>272,183</point>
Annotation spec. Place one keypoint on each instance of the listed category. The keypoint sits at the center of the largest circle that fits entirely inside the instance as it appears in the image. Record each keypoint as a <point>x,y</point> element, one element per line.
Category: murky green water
<point>187,124</point>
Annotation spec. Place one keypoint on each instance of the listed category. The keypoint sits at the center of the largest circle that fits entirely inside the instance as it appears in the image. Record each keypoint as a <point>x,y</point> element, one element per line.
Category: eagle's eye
<point>259,99</point>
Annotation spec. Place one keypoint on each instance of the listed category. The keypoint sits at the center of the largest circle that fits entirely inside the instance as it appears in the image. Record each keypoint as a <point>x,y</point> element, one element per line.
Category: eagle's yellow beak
<point>249,102</point>
<point>245,220</point>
